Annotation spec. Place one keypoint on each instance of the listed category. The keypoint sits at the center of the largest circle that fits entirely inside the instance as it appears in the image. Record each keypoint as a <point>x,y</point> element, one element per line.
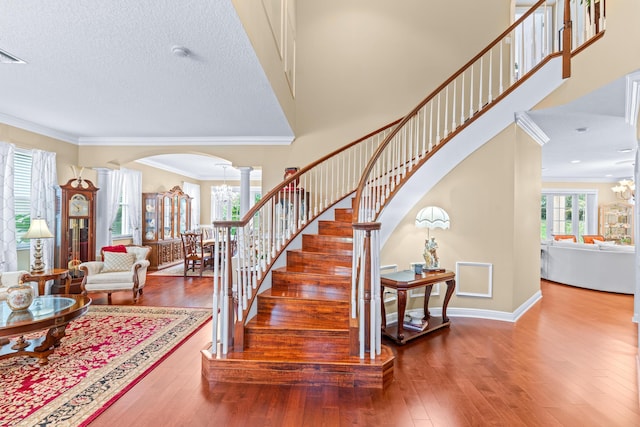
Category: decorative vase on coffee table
<point>19,297</point>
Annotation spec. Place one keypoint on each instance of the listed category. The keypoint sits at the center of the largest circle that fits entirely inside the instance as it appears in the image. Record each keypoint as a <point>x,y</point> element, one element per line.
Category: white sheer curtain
<point>133,191</point>
<point>113,190</point>
<point>193,190</point>
<point>8,245</point>
<point>44,182</point>
<point>636,236</point>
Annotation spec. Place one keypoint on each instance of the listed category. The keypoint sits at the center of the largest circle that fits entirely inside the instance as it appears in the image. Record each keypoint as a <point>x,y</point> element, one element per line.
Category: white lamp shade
<point>432,217</point>
<point>38,230</point>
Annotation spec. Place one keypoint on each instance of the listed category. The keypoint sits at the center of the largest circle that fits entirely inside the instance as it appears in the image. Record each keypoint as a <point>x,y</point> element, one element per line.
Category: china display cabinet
<point>616,222</point>
<point>165,216</point>
<point>77,228</point>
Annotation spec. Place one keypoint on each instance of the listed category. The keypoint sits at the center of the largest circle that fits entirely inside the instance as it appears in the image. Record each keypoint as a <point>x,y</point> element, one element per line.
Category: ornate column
<point>245,189</point>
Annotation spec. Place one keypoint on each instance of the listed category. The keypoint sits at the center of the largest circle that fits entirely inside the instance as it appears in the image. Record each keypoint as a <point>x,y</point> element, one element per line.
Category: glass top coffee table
<point>52,312</point>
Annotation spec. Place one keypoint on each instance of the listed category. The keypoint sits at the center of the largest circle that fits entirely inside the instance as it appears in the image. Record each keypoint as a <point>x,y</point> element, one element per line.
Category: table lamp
<point>431,217</point>
<point>38,230</point>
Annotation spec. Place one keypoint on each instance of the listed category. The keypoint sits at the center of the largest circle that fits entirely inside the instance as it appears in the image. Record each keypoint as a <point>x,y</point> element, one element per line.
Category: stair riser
<point>307,342</point>
<point>327,244</point>
<point>335,228</point>
<point>315,261</point>
<point>343,215</point>
<point>304,375</point>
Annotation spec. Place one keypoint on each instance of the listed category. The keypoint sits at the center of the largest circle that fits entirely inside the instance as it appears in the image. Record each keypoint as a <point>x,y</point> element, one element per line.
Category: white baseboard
<point>476,313</point>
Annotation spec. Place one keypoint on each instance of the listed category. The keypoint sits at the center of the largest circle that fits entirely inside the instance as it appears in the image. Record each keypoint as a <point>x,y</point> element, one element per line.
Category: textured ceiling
<point>104,71</point>
<point>589,138</point>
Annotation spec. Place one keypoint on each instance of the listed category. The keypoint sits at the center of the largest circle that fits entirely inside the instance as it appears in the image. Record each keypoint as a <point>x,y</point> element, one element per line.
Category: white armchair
<point>117,272</point>
<point>11,278</point>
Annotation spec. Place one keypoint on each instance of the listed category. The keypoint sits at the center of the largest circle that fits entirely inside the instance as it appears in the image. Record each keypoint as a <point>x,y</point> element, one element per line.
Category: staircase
<point>318,322</point>
<point>300,335</point>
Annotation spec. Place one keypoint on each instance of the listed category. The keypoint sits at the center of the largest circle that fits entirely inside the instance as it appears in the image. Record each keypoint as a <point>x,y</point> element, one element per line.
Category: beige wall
<point>272,159</point>
<point>364,63</point>
<point>494,212</point>
<point>66,153</point>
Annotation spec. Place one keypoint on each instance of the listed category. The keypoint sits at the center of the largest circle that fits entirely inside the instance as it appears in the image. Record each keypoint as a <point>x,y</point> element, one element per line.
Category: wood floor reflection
<point>569,361</point>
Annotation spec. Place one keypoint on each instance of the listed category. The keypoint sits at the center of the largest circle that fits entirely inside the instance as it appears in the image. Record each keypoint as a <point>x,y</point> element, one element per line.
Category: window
<point>22,194</point>
<point>568,212</point>
<point>221,205</point>
<point>121,226</point>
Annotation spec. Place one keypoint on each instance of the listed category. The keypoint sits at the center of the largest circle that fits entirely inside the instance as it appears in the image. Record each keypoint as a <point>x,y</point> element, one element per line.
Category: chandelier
<point>223,197</point>
<point>625,190</point>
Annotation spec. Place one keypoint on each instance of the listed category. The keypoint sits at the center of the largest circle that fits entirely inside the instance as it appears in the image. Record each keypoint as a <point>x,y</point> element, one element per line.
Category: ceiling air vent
<point>7,58</point>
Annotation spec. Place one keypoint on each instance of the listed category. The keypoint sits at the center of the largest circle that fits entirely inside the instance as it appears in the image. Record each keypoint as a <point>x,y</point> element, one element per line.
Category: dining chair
<point>195,253</point>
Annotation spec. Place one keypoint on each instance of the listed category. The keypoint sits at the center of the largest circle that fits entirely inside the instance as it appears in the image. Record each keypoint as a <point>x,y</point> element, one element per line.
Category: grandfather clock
<point>77,225</point>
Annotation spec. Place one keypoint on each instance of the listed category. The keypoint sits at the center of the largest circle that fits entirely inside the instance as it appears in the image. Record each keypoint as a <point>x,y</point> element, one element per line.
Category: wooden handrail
<point>284,184</point>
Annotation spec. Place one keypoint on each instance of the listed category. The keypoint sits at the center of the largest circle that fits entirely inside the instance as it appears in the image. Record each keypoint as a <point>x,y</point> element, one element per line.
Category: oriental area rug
<point>103,354</point>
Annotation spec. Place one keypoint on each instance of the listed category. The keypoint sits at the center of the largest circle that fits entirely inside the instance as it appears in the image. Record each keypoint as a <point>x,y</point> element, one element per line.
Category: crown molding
<point>142,141</point>
<point>531,128</point>
<point>172,141</point>
<point>39,129</point>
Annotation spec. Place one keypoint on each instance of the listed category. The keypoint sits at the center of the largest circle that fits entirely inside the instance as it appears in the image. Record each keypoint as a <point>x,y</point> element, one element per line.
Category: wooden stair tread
<point>297,295</point>
<point>318,295</point>
<point>336,270</point>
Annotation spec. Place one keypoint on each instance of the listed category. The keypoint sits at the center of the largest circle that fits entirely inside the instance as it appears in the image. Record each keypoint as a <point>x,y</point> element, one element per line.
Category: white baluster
<point>480,84</point>
<point>490,82</point>
<point>438,122</point>
<point>431,126</point>
<point>471,92</point>
<point>453,106</point>
<point>462,100</point>
<point>446,112</point>
<point>500,68</point>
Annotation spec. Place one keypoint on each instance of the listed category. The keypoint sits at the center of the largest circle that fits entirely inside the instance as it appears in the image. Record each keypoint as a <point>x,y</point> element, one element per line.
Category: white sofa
<point>602,267</point>
<point>122,275</point>
<point>11,278</point>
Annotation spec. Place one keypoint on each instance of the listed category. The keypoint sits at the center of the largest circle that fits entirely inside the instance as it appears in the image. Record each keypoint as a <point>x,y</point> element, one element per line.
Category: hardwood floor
<point>569,361</point>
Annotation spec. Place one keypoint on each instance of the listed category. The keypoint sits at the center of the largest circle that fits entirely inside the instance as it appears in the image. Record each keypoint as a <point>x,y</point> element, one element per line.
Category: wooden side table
<point>52,274</point>
<point>402,281</point>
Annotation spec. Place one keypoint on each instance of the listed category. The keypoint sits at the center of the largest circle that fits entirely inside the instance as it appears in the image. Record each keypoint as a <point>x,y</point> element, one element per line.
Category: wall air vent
<point>7,58</point>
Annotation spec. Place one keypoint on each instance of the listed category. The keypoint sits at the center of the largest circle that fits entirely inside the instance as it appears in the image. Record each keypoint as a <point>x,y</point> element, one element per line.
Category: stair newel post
<point>235,332</point>
<point>368,287</point>
<point>566,40</point>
